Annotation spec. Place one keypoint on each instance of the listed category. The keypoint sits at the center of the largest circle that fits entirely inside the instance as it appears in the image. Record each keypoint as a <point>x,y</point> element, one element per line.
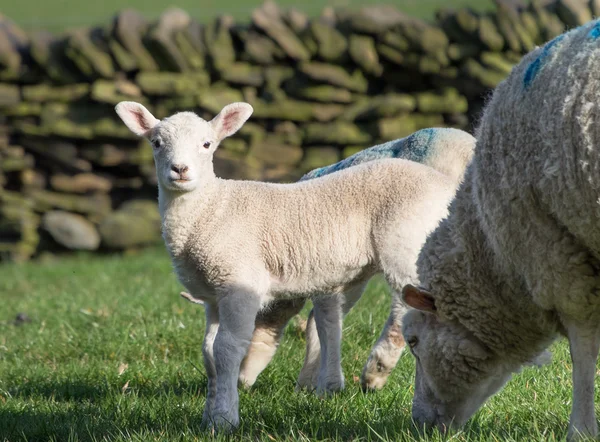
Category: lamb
<point>516,263</point>
<point>240,246</point>
<point>447,150</point>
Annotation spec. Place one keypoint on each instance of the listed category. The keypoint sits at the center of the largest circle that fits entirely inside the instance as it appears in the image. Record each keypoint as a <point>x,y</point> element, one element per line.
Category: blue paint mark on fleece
<point>594,33</point>
<point>536,65</point>
<point>415,147</point>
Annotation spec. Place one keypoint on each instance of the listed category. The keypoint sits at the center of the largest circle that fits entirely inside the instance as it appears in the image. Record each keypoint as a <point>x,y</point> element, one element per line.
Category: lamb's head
<point>183,144</point>
<point>455,372</point>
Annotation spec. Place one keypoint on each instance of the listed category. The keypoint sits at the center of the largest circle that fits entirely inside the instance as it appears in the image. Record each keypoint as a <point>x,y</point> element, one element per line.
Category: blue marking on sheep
<point>595,31</point>
<point>536,65</point>
<point>415,147</point>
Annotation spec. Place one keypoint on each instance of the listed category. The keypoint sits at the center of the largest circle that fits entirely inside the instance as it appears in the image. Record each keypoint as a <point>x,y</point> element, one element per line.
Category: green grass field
<point>57,15</point>
<point>113,353</point>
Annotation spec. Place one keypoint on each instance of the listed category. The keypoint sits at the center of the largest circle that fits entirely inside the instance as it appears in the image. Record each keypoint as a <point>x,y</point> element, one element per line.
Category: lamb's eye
<point>412,341</point>
<point>206,145</point>
<point>156,143</point>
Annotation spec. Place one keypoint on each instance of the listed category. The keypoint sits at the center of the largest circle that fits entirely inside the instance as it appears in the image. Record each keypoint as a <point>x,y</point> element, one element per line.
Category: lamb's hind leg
<point>584,344</point>
<point>268,330</point>
<point>328,319</point>
<point>212,326</point>
<point>387,350</point>
<point>309,374</point>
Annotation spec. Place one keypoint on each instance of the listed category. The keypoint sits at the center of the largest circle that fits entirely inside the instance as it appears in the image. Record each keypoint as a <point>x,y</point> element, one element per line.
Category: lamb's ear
<point>418,298</point>
<point>230,119</point>
<point>136,117</point>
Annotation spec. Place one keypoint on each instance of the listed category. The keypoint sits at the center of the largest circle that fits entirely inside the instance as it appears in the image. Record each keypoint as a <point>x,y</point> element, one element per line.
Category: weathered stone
<point>112,92</point>
<point>219,43</point>
<point>380,106</point>
<point>10,58</point>
<point>449,102</point>
<point>351,150</point>
<point>160,40</point>
<point>234,145</point>
<point>549,24</point>
<point>194,59</point>
<point>23,109</point>
<point>129,26</point>
<point>136,223</point>
<point>446,19</point>
<point>252,133</point>
<point>297,20</point>
<point>110,127</point>
<point>125,61</point>
<point>421,63</point>
<point>363,53</point>
<point>395,40</point>
<point>49,53</point>
<point>328,112</point>
<point>461,51</point>
<point>217,97</point>
<point>372,19</point>
<point>531,27</point>
<point>83,48</point>
<point>80,183</point>
<point>331,43</point>
<point>467,20</point>
<point>105,155</point>
<point>511,28</point>
<point>339,132</point>
<point>261,50</point>
<point>43,92</point>
<point>594,6</point>
<point>496,61</point>
<point>488,78</point>
<point>315,157</point>
<point>423,36</point>
<point>9,95</point>
<point>489,35</point>
<point>71,231</point>
<point>275,28</point>
<point>288,133</point>
<point>390,54</point>
<point>573,13</point>
<point>96,204</point>
<point>244,74</point>
<point>273,151</point>
<point>171,83</point>
<point>335,75</point>
<point>396,127</point>
<point>323,93</point>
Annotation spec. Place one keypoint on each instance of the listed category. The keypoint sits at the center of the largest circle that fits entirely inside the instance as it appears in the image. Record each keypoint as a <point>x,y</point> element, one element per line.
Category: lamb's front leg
<point>237,313</point>
<point>387,350</point>
<point>212,325</point>
<point>328,319</point>
<point>584,344</point>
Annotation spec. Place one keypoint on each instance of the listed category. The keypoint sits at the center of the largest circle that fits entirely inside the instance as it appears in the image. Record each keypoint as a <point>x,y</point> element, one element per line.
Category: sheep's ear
<point>418,298</point>
<point>230,119</point>
<point>136,117</point>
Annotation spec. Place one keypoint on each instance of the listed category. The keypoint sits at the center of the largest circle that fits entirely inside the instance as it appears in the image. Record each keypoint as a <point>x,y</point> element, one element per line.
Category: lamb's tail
<point>424,146</point>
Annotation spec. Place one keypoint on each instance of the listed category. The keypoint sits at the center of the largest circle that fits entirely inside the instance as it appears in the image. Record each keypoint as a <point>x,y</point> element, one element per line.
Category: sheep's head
<point>455,372</point>
<point>183,144</point>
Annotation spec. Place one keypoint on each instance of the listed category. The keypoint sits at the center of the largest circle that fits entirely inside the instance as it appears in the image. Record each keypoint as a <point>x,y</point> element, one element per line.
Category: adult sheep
<point>241,245</point>
<point>517,261</point>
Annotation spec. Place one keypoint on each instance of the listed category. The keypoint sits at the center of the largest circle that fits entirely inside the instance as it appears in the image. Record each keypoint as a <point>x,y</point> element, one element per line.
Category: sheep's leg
<point>312,360</point>
<point>268,331</point>
<point>212,325</point>
<point>328,319</point>
<point>237,315</point>
<point>387,350</point>
<point>584,345</point>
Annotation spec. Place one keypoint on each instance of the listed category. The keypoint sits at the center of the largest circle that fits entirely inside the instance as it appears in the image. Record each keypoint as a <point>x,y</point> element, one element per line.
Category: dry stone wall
<point>73,177</point>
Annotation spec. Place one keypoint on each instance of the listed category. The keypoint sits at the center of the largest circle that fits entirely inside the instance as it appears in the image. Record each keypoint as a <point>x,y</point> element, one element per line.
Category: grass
<point>113,353</point>
<point>57,15</point>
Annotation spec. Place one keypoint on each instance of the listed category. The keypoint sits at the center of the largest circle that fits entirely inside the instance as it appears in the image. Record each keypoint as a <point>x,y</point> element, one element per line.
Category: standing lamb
<point>445,149</point>
<point>240,245</point>
<point>517,261</point>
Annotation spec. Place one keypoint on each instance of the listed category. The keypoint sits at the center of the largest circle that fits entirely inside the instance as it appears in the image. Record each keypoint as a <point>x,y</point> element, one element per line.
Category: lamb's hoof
<point>374,376</point>
<point>222,423</point>
<point>329,388</point>
<point>573,435</point>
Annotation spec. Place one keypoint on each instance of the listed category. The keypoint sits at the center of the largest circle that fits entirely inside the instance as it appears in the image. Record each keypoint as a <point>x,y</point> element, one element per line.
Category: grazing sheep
<point>241,245</point>
<point>445,149</point>
<point>517,261</point>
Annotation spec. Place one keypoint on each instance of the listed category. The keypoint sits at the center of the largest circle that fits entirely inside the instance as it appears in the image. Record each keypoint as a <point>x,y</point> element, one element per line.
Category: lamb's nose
<point>179,168</point>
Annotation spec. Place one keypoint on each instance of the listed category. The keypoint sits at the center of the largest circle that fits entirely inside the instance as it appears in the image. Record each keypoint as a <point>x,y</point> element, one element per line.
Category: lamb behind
<point>445,149</point>
<point>240,245</point>
<point>517,261</point>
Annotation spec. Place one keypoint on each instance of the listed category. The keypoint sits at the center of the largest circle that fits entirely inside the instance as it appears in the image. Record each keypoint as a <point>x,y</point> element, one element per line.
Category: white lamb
<point>517,262</point>
<point>241,245</point>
